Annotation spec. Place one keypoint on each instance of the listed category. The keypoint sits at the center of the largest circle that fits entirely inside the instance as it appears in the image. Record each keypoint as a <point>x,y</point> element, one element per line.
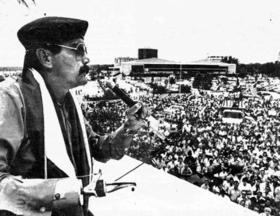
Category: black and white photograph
<point>139,108</point>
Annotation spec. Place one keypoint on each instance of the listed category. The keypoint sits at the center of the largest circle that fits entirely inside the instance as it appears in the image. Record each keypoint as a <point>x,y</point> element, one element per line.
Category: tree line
<point>271,69</point>
<point>10,69</point>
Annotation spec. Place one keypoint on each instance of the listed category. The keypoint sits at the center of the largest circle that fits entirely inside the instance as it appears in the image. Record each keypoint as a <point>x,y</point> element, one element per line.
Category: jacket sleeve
<point>11,126</point>
<point>109,146</point>
<point>37,195</point>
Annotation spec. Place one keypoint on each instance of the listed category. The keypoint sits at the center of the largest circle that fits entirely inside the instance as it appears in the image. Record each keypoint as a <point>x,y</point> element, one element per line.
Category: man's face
<point>67,66</point>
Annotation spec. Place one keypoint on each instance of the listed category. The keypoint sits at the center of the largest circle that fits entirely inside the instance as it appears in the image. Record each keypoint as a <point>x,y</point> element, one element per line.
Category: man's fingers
<point>134,120</point>
<point>143,123</point>
<point>146,112</point>
<point>10,186</point>
<point>134,124</point>
<point>134,109</point>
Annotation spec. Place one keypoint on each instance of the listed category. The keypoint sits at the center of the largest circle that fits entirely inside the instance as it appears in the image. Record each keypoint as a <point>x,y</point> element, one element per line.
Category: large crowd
<point>237,161</point>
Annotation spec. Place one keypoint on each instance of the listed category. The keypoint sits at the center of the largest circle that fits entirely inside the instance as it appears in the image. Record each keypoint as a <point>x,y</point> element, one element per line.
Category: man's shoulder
<point>9,84</point>
<point>10,88</point>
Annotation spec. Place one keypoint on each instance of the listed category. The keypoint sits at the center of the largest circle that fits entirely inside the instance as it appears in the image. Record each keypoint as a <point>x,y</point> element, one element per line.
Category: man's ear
<point>45,57</point>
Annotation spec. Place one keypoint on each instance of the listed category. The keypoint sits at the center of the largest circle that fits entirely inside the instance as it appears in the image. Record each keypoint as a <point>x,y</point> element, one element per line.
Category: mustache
<point>84,69</point>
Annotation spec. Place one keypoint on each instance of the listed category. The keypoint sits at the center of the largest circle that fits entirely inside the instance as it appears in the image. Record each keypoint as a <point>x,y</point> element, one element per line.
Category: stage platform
<point>158,194</point>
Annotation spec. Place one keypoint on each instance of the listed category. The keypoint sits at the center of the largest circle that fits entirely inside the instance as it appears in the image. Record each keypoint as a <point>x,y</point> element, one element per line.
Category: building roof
<point>164,61</point>
<point>151,61</point>
<point>209,62</point>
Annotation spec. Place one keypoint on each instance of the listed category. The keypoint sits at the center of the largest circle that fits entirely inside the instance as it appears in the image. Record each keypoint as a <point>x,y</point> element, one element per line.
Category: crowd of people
<point>239,162</point>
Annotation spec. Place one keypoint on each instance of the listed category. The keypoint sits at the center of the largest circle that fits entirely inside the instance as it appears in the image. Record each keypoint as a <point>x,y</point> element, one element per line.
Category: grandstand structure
<point>157,67</point>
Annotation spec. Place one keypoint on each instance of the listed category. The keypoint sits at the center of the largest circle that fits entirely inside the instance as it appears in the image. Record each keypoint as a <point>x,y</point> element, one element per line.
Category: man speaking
<point>46,147</point>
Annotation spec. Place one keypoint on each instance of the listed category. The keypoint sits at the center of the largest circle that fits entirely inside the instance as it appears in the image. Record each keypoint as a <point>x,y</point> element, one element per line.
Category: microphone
<point>121,94</point>
<point>153,122</point>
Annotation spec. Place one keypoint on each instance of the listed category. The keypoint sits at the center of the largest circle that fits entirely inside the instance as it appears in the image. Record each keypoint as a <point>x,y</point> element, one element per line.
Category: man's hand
<point>136,117</point>
<point>120,139</point>
<point>8,195</point>
<point>22,195</point>
<point>38,196</point>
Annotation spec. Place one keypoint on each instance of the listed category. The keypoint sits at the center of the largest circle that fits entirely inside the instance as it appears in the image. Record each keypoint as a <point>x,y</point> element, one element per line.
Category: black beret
<point>53,30</point>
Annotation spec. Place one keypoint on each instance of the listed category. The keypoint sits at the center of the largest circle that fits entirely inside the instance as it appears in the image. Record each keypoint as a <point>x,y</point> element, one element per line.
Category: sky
<point>181,30</point>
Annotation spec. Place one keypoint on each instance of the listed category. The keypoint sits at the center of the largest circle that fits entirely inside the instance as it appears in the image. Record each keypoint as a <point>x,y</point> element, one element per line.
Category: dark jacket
<point>22,141</point>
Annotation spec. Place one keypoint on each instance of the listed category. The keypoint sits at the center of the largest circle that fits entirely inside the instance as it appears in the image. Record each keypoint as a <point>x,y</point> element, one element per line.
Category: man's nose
<point>85,60</point>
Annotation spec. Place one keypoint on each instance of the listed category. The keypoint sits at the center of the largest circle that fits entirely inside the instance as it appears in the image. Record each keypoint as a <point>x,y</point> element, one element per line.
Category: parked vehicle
<point>232,116</point>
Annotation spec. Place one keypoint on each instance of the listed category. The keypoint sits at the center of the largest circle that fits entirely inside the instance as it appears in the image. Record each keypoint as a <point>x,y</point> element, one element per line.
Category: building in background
<point>145,53</point>
<point>149,65</point>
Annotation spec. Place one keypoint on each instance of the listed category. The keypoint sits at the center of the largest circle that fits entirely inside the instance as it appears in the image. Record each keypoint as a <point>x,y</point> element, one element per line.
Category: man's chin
<point>82,80</point>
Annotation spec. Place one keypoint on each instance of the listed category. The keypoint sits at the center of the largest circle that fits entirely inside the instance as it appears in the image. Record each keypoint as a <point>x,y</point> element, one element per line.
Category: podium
<point>158,194</point>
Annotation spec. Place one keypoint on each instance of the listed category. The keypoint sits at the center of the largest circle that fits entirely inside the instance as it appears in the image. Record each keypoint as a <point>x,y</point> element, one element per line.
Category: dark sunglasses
<point>80,49</point>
